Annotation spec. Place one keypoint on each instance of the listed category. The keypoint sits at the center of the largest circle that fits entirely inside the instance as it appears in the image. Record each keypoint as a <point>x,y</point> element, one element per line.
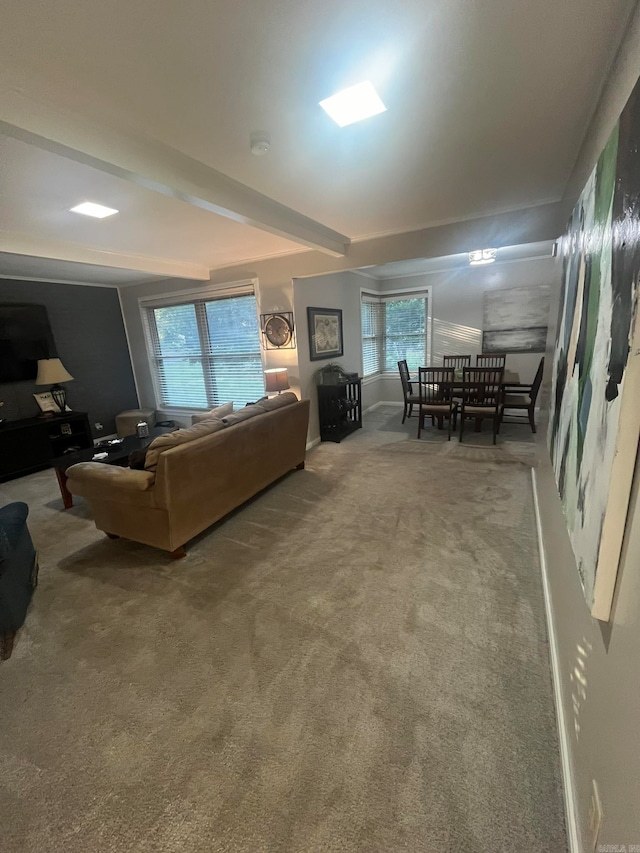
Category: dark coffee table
<point>118,455</point>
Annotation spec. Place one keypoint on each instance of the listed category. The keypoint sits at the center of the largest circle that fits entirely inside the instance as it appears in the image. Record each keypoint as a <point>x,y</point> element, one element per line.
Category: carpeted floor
<point>355,661</point>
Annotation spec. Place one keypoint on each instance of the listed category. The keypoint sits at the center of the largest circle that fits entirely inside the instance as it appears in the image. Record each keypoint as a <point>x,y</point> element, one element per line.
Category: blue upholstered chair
<point>18,572</point>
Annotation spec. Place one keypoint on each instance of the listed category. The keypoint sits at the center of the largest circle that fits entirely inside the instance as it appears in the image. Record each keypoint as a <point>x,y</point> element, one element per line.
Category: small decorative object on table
<point>142,429</point>
<point>48,406</point>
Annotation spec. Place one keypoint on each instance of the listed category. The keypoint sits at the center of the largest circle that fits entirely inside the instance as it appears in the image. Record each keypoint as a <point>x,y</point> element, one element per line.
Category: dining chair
<point>495,360</point>
<point>482,396</point>
<point>520,396</point>
<point>435,386</point>
<point>410,399</point>
<point>456,361</point>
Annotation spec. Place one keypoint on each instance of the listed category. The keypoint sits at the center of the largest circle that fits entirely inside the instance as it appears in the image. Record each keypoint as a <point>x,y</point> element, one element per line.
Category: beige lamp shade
<point>276,379</point>
<point>51,371</point>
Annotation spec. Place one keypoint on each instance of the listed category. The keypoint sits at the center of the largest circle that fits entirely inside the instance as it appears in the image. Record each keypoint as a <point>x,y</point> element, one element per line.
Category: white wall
<point>457,310</point>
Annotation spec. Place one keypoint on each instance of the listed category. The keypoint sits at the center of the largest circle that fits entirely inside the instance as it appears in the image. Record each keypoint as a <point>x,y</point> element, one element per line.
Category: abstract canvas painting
<point>516,320</point>
<point>595,408</point>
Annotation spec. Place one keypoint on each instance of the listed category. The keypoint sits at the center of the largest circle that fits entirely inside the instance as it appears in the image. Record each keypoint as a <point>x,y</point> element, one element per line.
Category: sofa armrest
<point>98,476</point>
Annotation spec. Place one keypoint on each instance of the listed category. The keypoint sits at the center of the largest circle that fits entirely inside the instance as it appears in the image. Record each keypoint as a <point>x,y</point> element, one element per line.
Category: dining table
<point>509,378</point>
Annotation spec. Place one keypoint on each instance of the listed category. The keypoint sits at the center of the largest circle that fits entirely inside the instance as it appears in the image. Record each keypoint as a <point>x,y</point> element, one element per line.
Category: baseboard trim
<point>568,786</point>
<point>313,443</point>
<point>382,403</point>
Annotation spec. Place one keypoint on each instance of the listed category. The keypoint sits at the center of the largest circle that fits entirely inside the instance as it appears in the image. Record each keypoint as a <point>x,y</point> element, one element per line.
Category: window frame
<point>383,296</point>
<point>202,295</point>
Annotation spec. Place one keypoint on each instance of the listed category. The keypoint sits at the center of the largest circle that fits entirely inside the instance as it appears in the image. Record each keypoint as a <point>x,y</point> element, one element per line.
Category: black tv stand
<point>30,444</point>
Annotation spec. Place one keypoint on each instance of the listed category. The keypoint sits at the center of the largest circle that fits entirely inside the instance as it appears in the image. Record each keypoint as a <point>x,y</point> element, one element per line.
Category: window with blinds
<point>395,328</point>
<point>205,352</point>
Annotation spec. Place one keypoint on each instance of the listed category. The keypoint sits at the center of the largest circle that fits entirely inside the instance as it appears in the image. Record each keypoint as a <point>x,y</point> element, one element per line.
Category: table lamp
<point>276,379</point>
<point>52,372</point>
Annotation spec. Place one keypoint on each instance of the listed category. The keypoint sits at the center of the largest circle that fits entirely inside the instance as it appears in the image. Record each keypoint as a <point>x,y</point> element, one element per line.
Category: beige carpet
<point>356,661</point>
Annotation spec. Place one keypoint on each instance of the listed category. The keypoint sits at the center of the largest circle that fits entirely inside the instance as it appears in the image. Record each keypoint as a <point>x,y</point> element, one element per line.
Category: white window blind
<point>372,332</point>
<point>395,328</point>
<point>205,352</point>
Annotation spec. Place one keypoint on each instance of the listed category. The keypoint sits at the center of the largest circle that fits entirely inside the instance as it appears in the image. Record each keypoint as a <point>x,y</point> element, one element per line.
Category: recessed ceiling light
<point>479,257</point>
<point>353,104</point>
<point>90,208</point>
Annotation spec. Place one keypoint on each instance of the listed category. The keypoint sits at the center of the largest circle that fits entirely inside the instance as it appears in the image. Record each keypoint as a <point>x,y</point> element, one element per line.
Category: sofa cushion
<point>218,412</point>
<point>278,400</point>
<point>243,415</point>
<point>180,436</point>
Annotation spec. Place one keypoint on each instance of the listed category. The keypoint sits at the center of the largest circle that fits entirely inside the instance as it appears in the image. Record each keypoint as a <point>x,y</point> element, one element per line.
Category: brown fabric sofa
<point>195,476</point>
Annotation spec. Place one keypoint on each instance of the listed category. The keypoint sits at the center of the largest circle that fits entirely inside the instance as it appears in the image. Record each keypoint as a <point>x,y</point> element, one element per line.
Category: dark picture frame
<point>325,333</point>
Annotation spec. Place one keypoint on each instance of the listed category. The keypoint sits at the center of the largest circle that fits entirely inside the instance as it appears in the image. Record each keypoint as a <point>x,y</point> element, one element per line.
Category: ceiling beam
<point>527,225</point>
<point>156,167</point>
<point>25,244</point>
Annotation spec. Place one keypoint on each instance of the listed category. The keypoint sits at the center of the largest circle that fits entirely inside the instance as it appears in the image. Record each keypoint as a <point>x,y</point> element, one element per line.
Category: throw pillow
<point>181,436</point>
<point>218,412</point>
<point>137,459</point>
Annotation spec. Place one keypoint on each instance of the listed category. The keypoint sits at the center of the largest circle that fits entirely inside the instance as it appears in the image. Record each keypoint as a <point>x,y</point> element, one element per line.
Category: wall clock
<point>278,330</point>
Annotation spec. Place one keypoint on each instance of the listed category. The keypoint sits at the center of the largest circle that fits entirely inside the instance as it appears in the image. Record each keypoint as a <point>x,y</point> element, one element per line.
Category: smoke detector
<point>260,143</point>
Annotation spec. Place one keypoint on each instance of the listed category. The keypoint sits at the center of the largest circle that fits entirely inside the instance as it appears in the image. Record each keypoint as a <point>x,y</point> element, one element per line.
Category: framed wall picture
<point>325,333</point>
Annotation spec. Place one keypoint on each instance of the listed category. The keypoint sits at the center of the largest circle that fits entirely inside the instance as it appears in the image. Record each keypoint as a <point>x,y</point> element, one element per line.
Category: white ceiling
<point>67,272</point>
<point>39,188</point>
<point>488,104</point>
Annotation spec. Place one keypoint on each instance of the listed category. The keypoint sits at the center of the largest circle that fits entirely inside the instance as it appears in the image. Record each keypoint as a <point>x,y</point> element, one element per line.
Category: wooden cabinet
<point>30,444</point>
<point>339,410</point>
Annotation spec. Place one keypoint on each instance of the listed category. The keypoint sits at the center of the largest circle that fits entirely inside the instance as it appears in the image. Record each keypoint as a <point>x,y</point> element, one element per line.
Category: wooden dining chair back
<point>435,392</point>
<point>410,399</point>
<point>456,362</point>
<point>494,360</point>
<point>519,396</point>
<point>482,393</point>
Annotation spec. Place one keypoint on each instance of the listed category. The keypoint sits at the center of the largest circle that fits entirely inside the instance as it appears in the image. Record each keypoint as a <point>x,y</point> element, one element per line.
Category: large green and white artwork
<point>595,404</point>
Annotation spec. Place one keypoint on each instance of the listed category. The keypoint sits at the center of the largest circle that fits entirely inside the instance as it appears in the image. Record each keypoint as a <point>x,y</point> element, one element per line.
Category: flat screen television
<point>25,337</point>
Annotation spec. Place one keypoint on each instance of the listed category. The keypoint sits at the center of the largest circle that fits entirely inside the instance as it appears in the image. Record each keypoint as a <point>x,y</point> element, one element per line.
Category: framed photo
<point>47,404</point>
<point>325,333</point>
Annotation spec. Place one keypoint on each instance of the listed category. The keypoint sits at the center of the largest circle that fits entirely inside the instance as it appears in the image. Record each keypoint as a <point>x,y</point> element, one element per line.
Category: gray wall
<point>337,290</point>
<point>90,340</point>
<point>602,713</point>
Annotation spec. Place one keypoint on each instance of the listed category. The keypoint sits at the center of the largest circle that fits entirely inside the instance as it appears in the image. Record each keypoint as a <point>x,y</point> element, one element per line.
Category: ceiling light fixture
<point>353,104</point>
<point>480,257</point>
<point>90,208</point>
